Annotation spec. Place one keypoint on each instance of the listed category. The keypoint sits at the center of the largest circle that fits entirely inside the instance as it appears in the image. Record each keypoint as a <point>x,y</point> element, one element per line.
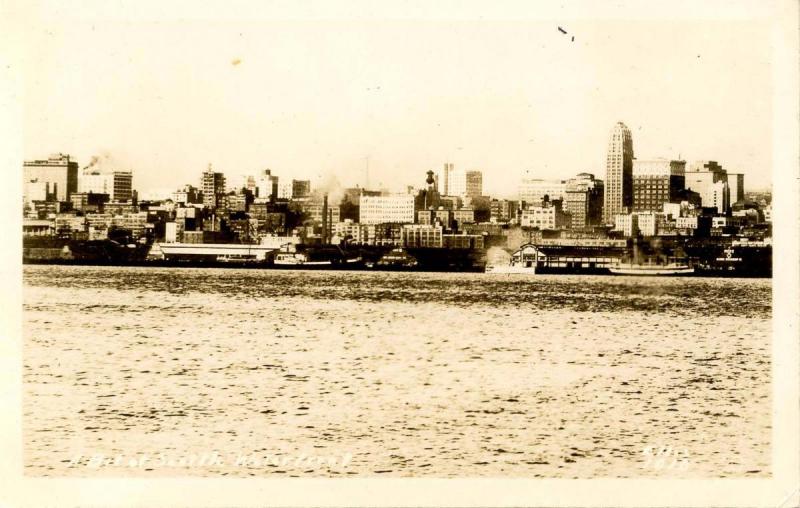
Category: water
<point>262,373</point>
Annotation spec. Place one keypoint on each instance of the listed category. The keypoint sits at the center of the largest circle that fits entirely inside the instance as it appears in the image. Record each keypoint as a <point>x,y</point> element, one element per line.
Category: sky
<point>388,98</point>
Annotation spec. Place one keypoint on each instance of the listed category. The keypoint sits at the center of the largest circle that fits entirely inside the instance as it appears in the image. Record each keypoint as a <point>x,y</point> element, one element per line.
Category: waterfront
<point>409,374</point>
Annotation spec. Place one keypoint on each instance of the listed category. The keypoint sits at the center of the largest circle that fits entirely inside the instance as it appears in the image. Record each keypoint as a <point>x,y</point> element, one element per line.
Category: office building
<point>187,195</point>
<point>548,215</point>
<point>707,166</point>
<point>441,216</point>
<point>710,181</point>
<point>301,189</point>
<point>503,210</point>
<point>443,179</point>
<point>422,235</point>
<point>718,196</point>
<point>618,191</point>
<point>66,224</point>
<point>627,224</point>
<point>36,192</point>
<point>315,208</point>
<point>232,203</point>
<point>117,184</point>
<point>655,182</point>
<point>464,216</point>
<point>643,223</point>
<point>88,201</point>
<point>249,183</point>
<point>736,187</point>
<point>136,223</point>
<point>464,183</point>
<point>583,200</point>
<point>213,185</point>
<point>55,177</point>
<point>396,208</point>
<point>532,191</point>
<point>650,223</point>
<point>267,185</point>
<point>347,230</point>
<point>38,227</point>
<point>285,190</point>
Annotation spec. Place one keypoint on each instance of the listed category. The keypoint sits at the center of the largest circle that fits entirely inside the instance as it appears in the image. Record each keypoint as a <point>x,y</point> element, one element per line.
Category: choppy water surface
<point>248,372</point>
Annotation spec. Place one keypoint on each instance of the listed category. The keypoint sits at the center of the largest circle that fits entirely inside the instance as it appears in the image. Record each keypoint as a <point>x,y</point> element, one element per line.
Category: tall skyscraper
<point>736,185</point>
<point>213,185</point>
<point>619,173</point>
<point>444,181</point>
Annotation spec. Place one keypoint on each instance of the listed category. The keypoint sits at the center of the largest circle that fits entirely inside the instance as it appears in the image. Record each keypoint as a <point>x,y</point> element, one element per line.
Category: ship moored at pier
<point>638,256</point>
<point>667,269</point>
<point>259,252</point>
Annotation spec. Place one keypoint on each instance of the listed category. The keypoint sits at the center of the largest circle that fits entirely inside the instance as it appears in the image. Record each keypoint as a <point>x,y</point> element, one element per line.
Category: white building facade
<point>533,190</point>
<point>465,183</point>
<point>117,184</point>
<point>394,208</point>
<point>544,217</point>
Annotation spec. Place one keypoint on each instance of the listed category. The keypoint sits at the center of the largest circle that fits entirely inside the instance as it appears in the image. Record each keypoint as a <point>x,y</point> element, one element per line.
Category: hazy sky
<point>312,98</point>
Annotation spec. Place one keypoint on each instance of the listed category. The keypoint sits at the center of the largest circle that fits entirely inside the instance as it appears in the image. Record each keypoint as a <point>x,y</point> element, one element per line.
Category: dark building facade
<point>656,182</point>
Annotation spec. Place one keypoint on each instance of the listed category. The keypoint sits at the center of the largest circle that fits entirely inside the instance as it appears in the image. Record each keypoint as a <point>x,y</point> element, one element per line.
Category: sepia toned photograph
<point>330,243</point>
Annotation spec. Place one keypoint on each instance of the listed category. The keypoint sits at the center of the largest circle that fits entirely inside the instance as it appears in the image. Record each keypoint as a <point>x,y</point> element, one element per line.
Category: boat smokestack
<point>325,218</point>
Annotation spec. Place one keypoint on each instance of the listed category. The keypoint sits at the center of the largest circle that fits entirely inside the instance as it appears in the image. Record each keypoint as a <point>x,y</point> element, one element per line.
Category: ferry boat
<point>228,253</point>
<point>316,257</point>
<point>651,265</point>
<point>297,259</point>
<point>301,260</point>
<point>238,258</point>
<point>651,269</point>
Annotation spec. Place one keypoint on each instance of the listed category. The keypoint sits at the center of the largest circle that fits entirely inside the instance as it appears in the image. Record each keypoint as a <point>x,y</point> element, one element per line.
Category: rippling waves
<point>404,374</point>
<point>683,296</point>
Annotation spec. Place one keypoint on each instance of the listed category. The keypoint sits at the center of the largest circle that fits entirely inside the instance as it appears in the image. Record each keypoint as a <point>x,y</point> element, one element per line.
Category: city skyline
<point>458,92</point>
<point>513,253</point>
<point>105,164</point>
<point>86,176</point>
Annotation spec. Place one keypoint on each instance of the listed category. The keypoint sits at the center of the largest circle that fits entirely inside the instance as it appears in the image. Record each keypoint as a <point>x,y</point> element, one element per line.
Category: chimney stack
<point>330,223</point>
<point>325,218</point>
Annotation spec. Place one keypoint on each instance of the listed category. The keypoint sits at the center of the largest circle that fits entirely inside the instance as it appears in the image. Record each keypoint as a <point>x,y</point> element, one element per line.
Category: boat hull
<point>652,271</point>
